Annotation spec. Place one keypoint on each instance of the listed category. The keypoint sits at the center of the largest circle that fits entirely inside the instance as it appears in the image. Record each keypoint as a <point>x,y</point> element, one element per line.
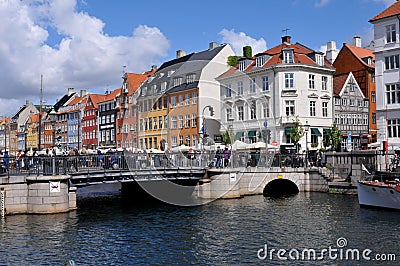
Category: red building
<point>90,127</point>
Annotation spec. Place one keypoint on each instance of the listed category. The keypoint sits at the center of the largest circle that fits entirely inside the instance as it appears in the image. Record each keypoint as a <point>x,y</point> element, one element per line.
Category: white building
<point>387,50</point>
<point>273,88</point>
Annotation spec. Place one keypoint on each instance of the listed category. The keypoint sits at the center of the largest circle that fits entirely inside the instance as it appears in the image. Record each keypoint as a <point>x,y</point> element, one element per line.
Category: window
<point>265,111</point>
<point>194,138</point>
<point>190,78</point>
<point>228,92</point>
<point>394,128</point>
<point>180,139</point>
<point>373,97</point>
<point>337,119</point>
<point>312,108</point>
<point>150,123</point>
<point>242,65</point>
<point>181,121</point>
<point>265,85</point>
<point>165,121</point>
<point>365,103</point>
<point>344,101</point>
<point>351,102</point>
<point>289,78</point>
<point>392,62</point>
<point>187,98</point>
<point>337,101</point>
<point>365,119</point>
<point>177,81</point>
<point>194,120</point>
<point>160,122</point>
<point>325,109</point>
<point>174,141</point>
<point>253,85</point>
<point>260,61</point>
<point>319,59</point>
<point>187,121</point>
<point>240,113</point>
<point>163,86</point>
<point>393,93</point>
<point>194,97</point>
<point>288,56</point>
<point>290,108</point>
<point>173,101</point>
<point>240,88</point>
<point>173,122</point>
<point>229,114</point>
<point>373,118</point>
<point>390,33</point>
<point>180,100</point>
<point>314,138</point>
<point>311,81</point>
<point>253,110</point>
<point>324,83</point>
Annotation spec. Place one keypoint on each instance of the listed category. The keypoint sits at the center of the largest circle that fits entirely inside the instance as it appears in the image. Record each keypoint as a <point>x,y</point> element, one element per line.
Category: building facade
<point>387,52</point>
<point>351,112</point>
<point>264,95</point>
<point>361,63</point>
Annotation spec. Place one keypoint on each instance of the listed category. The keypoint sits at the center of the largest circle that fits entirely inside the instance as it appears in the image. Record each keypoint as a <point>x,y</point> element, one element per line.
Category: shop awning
<point>251,133</point>
<point>315,131</point>
<point>327,131</point>
<point>289,130</point>
<point>239,135</point>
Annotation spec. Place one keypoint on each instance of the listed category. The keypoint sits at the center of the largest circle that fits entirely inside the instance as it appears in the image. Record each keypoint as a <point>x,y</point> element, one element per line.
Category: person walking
<point>227,156</point>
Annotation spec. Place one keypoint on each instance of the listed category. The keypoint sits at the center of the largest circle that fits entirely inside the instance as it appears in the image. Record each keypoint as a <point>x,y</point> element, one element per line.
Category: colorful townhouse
<point>387,69</point>
<point>107,118</point>
<point>127,124</point>
<point>361,63</point>
<point>90,127</point>
<point>263,96</point>
<point>178,97</point>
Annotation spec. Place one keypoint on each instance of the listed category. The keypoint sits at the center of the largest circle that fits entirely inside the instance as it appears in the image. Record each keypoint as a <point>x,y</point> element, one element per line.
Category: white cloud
<point>85,57</point>
<point>239,39</point>
<point>321,3</point>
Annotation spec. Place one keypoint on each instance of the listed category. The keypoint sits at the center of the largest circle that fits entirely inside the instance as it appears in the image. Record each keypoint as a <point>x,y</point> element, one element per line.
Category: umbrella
<point>152,150</point>
<point>240,145</point>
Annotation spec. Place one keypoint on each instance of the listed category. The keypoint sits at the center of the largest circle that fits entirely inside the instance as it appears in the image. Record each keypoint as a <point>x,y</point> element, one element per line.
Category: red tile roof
<point>112,95</point>
<point>361,53</point>
<point>338,83</point>
<point>388,12</point>
<point>96,98</point>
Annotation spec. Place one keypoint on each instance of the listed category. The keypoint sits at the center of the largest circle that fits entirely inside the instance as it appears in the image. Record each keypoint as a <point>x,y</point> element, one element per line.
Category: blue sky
<point>85,43</point>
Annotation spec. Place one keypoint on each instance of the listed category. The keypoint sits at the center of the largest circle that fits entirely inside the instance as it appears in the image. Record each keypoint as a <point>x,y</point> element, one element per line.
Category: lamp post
<point>306,128</point>
<point>53,117</point>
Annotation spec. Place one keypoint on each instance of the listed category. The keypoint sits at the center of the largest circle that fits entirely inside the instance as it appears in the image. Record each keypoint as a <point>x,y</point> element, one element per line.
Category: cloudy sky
<point>86,44</point>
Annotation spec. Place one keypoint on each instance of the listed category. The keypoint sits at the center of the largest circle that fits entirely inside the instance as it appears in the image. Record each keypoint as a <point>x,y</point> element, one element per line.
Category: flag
<point>365,169</point>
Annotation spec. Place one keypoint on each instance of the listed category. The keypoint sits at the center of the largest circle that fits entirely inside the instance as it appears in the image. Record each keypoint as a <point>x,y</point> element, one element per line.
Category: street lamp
<point>306,128</point>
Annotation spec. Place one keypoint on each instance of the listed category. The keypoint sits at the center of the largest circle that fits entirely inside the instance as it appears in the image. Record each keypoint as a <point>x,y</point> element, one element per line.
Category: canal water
<point>112,231</point>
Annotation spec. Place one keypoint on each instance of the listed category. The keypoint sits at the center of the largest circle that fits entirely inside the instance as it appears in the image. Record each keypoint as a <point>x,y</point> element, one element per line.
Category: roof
<point>338,83</point>
<point>392,10</point>
<point>361,53</point>
<point>96,98</point>
<point>301,55</point>
<point>112,95</point>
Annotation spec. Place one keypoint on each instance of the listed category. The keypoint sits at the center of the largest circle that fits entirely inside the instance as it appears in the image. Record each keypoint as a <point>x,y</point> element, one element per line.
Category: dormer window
<point>177,81</point>
<point>319,59</point>
<point>190,78</point>
<point>170,72</point>
<point>242,65</point>
<point>260,60</point>
<point>288,56</point>
<point>368,60</point>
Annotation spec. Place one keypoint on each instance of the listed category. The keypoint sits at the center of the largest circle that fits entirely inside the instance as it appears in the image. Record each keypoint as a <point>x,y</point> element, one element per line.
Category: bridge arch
<point>280,187</point>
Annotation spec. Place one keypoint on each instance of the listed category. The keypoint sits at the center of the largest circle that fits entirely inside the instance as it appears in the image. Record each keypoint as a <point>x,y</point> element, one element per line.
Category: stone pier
<point>37,194</point>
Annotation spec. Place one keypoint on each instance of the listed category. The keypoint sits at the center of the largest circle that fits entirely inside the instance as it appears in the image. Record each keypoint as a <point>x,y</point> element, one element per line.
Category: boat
<point>379,194</point>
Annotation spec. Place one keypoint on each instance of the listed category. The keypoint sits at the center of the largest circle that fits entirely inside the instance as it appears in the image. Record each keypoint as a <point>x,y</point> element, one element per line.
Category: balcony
<point>288,119</point>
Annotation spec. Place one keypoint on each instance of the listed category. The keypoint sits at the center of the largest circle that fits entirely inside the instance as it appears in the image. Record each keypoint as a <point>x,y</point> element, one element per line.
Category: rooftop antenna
<point>285,31</point>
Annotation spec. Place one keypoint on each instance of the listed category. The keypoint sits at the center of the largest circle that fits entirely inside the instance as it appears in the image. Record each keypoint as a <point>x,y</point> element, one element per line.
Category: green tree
<point>297,132</point>
<point>247,52</point>
<point>233,60</point>
<point>333,138</point>
<point>226,137</point>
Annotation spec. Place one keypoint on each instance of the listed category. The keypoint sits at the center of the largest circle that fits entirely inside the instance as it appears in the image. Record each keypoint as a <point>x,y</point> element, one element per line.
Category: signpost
<point>349,148</point>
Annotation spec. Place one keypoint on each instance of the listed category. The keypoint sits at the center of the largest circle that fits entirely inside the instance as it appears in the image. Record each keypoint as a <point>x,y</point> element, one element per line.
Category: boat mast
<point>40,112</point>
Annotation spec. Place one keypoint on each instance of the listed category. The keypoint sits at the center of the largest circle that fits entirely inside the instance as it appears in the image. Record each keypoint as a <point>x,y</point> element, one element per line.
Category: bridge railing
<point>55,165</point>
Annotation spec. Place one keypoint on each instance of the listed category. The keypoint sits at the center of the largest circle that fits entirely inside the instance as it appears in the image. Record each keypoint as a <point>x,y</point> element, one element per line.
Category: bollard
<point>2,202</point>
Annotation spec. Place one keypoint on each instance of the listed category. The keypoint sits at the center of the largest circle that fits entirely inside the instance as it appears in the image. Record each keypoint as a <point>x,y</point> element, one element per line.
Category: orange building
<point>361,62</point>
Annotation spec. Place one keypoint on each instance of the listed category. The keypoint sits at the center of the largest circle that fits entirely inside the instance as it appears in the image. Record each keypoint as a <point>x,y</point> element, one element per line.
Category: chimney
<point>83,93</point>
<point>70,91</point>
<point>153,68</point>
<point>213,45</point>
<point>286,39</point>
<point>180,53</point>
<point>357,41</point>
<point>331,51</point>
<point>26,102</point>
